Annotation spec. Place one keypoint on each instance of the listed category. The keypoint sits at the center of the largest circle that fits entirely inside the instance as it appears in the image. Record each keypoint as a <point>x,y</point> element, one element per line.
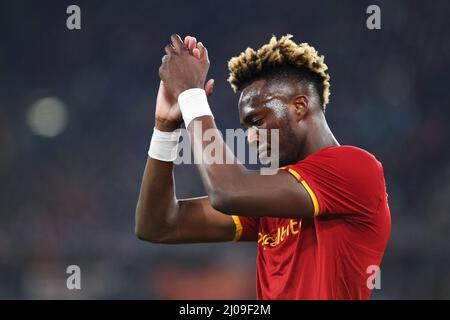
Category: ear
<point>301,105</point>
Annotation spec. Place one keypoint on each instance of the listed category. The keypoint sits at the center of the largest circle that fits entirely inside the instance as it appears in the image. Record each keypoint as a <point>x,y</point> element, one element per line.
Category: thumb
<point>209,87</point>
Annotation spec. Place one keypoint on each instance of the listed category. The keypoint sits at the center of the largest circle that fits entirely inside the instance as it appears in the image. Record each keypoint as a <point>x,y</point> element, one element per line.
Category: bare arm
<point>161,218</point>
<point>231,187</point>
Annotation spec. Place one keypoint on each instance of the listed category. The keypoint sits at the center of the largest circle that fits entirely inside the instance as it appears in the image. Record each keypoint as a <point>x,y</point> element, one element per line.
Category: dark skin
<point>293,108</point>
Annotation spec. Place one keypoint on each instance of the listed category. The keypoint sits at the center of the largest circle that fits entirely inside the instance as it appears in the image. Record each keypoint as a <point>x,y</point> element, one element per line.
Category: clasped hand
<point>184,66</point>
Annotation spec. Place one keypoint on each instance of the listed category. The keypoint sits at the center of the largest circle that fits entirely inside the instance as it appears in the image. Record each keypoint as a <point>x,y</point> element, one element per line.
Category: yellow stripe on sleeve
<point>313,197</point>
<point>295,174</point>
<point>238,224</point>
<point>308,189</point>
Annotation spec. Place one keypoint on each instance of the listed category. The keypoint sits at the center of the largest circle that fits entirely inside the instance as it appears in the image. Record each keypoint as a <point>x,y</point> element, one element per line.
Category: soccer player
<point>321,223</point>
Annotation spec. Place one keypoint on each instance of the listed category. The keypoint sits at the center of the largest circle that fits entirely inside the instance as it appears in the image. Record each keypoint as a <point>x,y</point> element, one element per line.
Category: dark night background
<point>68,196</point>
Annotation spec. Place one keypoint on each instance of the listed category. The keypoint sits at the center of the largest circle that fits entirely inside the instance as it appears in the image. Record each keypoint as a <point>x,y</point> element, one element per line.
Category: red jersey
<point>333,254</point>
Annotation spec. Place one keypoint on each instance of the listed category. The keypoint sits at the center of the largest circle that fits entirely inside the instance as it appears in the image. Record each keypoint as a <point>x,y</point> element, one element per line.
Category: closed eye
<point>258,122</point>
<point>253,119</point>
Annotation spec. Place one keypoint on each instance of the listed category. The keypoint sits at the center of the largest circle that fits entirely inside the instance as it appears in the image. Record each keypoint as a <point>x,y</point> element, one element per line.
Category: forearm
<point>157,204</point>
<point>222,177</point>
<point>235,190</point>
<point>156,210</point>
<point>161,218</point>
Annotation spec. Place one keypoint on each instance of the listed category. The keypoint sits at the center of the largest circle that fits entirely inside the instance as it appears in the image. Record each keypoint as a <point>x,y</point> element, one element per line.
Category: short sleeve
<point>341,180</point>
<point>246,228</point>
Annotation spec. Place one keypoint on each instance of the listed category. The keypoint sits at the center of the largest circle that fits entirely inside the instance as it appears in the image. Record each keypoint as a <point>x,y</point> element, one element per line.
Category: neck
<point>319,136</point>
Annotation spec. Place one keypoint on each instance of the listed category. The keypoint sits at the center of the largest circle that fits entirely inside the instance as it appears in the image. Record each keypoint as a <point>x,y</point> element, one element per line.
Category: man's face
<point>267,105</point>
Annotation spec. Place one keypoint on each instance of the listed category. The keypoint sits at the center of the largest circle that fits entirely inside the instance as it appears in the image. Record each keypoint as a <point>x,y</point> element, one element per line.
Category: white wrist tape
<point>164,145</point>
<point>193,104</point>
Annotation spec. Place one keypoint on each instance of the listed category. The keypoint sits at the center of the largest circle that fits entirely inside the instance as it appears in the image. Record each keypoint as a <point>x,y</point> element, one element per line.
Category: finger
<point>187,40</point>
<point>176,41</point>
<point>165,58</point>
<point>196,53</point>
<point>169,49</point>
<point>203,52</point>
<point>192,43</point>
<point>209,87</point>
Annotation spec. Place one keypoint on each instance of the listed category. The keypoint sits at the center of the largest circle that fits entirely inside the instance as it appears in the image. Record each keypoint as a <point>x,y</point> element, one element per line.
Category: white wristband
<point>164,145</point>
<point>193,104</point>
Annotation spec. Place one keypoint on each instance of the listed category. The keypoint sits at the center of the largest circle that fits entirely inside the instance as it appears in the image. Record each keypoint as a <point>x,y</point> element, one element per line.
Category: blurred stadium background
<point>76,116</point>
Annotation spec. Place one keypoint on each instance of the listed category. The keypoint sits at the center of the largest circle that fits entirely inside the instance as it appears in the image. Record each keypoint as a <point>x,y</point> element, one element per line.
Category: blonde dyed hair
<point>278,53</point>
